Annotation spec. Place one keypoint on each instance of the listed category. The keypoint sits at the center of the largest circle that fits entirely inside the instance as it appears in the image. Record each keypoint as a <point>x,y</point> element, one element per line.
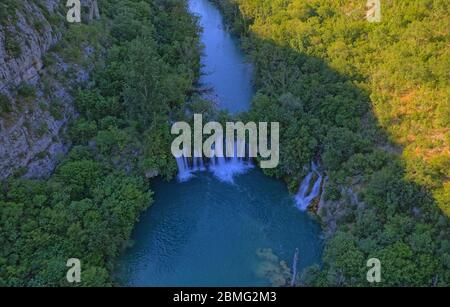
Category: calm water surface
<point>206,232</point>
<point>224,66</point>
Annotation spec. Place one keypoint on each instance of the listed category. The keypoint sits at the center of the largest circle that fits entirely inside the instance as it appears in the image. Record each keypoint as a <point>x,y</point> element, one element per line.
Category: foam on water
<point>306,194</point>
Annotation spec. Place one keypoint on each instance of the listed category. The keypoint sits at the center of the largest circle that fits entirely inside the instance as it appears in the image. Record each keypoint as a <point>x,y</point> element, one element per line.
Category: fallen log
<point>294,268</point>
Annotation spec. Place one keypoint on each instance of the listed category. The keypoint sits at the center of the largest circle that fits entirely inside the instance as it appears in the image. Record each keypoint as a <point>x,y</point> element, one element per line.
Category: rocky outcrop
<point>33,43</point>
<point>331,212</point>
<point>35,103</point>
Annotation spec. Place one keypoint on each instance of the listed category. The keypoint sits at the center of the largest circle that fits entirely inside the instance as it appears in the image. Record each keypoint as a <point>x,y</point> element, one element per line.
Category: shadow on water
<point>207,232</point>
<point>232,226</point>
<point>224,66</point>
<point>325,117</point>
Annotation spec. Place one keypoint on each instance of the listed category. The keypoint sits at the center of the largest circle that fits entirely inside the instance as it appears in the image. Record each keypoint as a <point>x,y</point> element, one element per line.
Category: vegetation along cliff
<point>94,100</point>
<point>86,110</point>
<point>370,101</point>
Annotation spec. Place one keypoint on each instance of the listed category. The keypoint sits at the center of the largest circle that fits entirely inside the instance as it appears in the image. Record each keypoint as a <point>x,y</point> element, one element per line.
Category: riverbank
<point>316,79</point>
<point>147,63</point>
<point>232,226</point>
<point>208,232</point>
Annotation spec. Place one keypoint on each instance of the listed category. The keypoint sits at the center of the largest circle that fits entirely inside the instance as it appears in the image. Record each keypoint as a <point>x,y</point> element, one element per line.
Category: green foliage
<point>39,26</point>
<point>8,10</point>
<point>45,223</point>
<point>48,60</point>
<point>89,206</point>
<point>5,104</point>
<point>142,81</point>
<point>56,109</point>
<point>342,88</point>
<point>80,176</point>
<point>340,145</point>
<point>77,38</point>
<point>156,157</point>
<point>82,131</point>
<point>42,129</point>
<point>94,106</point>
<point>146,85</point>
<point>12,46</point>
<point>348,261</point>
<point>108,141</point>
<point>26,91</point>
<point>401,63</point>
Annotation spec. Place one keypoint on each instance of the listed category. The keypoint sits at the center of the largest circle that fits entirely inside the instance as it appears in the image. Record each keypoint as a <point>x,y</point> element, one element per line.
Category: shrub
<point>5,104</point>
<point>43,106</point>
<point>26,91</point>
<point>49,60</point>
<point>8,10</point>
<point>82,131</point>
<point>42,155</point>
<point>56,110</point>
<point>12,47</point>
<point>42,130</point>
<point>39,26</point>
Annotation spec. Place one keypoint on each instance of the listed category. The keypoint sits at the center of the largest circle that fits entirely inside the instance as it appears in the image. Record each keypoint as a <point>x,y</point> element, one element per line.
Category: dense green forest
<point>148,59</point>
<point>370,101</point>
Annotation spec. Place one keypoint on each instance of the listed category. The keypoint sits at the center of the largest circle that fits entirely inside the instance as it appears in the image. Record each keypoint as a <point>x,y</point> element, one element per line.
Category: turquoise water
<point>206,232</point>
<point>224,66</point>
<point>211,232</point>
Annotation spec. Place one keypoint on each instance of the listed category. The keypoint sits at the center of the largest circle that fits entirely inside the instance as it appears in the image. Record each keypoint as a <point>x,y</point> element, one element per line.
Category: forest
<point>88,208</point>
<point>370,101</point>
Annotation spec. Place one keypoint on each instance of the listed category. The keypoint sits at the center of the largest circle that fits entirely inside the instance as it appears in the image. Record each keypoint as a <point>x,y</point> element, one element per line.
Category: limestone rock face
<point>331,212</point>
<point>35,104</point>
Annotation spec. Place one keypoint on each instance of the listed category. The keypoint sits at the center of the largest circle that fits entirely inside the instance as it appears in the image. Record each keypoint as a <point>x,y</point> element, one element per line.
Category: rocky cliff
<point>35,85</point>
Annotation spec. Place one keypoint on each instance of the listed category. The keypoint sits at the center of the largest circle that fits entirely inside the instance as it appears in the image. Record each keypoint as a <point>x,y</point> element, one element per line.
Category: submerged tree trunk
<point>294,268</point>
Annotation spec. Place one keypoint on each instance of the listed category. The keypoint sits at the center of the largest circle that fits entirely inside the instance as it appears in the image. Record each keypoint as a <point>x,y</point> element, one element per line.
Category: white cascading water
<point>195,164</point>
<point>306,195</point>
<point>225,169</point>
<point>201,165</point>
<point>184,171</point>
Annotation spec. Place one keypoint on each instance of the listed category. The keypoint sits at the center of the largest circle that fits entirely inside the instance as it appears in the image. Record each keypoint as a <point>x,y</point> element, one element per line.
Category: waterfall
<point>306,195</point>
<point>184,172</point>
<point>195,164</point>
<point>201,164</point>
<point>223,168</point>
<point>227,168</point>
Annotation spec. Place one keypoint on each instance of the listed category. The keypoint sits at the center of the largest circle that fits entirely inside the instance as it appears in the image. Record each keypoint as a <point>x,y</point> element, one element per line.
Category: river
<point>213,230</point>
